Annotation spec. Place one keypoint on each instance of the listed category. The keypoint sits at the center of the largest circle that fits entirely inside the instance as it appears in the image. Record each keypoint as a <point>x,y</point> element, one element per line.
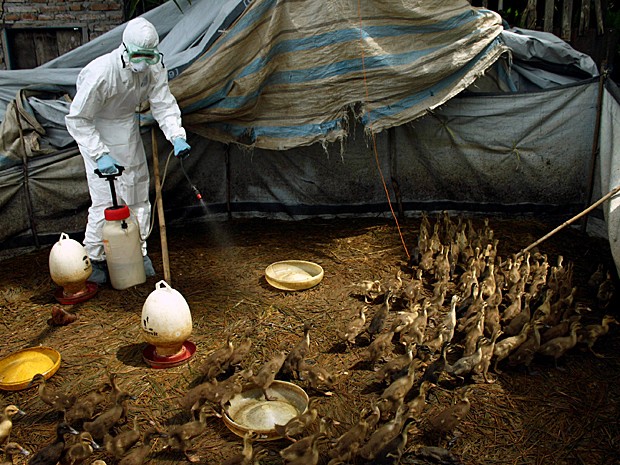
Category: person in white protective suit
<point>103,121</point>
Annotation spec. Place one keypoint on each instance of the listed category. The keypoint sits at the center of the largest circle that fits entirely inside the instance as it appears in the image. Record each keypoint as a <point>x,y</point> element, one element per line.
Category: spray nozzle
<point>196,192</point>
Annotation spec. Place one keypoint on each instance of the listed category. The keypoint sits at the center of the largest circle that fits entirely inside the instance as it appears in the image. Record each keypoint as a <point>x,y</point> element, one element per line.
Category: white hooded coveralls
<point>103,118</point>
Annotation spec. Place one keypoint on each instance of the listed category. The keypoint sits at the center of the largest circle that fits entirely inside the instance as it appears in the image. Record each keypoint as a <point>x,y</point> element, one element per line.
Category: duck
<point>403,320</point>
<point>605,292</point>
<point>218,361</point>
<point>596,278</point>
<point>59,401</point>
<point>377,322</point>
<point>247,454</point>
<point>317,377</point>
<point>543,311</point>
<point>305,451</point>
<point>524,354</point>
<point>78,452</point>
<point>180,436</point>
<point>50,454</point>
<point>382,436</point>
<point>354,327</point>
<point>505,347</point>
<point>488,348</point>
<point>513,309</point>
<point>137,455</point>
<point>84,408</point>
<point>396,392</point>
<point>294,358</point>
<point>560,345</point>
<point>108,418</point>
<point>299,423</point>
<point>11,449</point>
<point>61,317</point>
<point>393,451</point>
<point>119,445</point>
<point>449,418</point>
<point>412,290</point>
<point>266,375</point>
<point>346,445</point>
<point>415,332</point>
<point>437,366</point>
<point>415,406</point>
<point>515,325</point>
<point>590,333</point>
<point>464,365</point>
<point>475,331</point>
<point>559,329</point>
<point>378,348</point>
<point>240,352</point>
<point>6,421</point>
<point>396,365</point>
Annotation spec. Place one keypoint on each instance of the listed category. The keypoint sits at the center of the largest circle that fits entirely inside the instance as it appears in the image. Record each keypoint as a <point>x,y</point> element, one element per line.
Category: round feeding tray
<point>250,411</point>
<point>294,275</point>
<point>89,291</point>
<point>150,356</point>
<point>18,368</point>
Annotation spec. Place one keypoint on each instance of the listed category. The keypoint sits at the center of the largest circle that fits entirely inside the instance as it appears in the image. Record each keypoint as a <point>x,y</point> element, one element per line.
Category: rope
<point>374,139</point>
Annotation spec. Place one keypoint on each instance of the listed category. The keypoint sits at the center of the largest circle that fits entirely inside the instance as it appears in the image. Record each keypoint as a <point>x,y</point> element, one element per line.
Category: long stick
<point>160,210</point>
<point>574,218</point>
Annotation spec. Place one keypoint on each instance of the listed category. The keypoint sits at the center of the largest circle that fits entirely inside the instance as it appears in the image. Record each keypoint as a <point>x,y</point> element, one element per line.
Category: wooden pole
<point>160,211</point>
<point>573,219</point>
<point>548,21</point>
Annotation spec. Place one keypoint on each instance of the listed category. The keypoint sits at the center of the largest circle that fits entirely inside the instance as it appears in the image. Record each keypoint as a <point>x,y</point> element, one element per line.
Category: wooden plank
<point>23,55</point>
<point>567,16</point>
<point>548,21</point>
<point>529,15</point>
<point>45,45</point>
<point>600,28</point>
<point>68,39</point>
<point>584,16</point>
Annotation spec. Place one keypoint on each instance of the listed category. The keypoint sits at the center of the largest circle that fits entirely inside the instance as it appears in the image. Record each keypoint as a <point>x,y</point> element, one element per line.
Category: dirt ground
<point>550,416</point>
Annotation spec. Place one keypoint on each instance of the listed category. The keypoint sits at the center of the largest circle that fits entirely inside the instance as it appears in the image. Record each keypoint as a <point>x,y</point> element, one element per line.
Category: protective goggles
<point>138,55</point>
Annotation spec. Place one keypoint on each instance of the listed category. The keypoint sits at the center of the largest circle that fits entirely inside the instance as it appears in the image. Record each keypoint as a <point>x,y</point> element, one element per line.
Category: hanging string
<point>374,139</point>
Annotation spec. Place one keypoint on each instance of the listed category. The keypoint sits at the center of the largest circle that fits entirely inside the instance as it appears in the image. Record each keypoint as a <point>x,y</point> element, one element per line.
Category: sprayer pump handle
<point>112,176</point>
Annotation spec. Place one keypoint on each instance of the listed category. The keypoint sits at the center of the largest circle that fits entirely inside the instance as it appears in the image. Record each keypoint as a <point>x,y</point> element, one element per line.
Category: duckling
<point>396,392</point>
<point>61,317</point>
<point>299,423</point>
<point>11,449</point>
<point>80,451</point>
<point>84,408</point>
<point>305,450</point>
<point>464,365</point>
<point>317,377</point>
<point>246,456</point>
<point>107,419</point>
<point>6,421</point>
<point>59,401</point>
<point>218,361</point>
<point>347,444</point>
<point>596,278</point>
<point>370,290</point>
<point>412,290</point>
<point>119,445</point>
<point>560,345</point>
<point>354,327</point>
<point>591,333</point>
<point>448,419</point>
<point>393,451</point>
<point>378,348</point>
<point>240,352</point>
<point>180,436</point>
<point>415,406</point>
<point>524,354</point>
<point>487,353</point>
<point>377,322</point>
<point>50,454</point>
<point>415,332</point>
<point>503,348</point>
<point>395,365</point>
<point>267,373</point>
<point>605,292</point>
<point>294,358</point>
<point>403,320</point>
<point>137,455</point>
<point>382,436</point>
<point>434,370</point>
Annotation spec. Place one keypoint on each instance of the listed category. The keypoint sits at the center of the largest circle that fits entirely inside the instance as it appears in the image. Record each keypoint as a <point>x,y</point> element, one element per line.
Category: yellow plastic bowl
<point>18,368</point>
<point>294,275</point>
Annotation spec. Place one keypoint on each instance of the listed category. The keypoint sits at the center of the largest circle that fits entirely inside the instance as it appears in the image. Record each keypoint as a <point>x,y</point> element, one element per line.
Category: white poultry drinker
<point>166,326</point>
<point>70,269</point>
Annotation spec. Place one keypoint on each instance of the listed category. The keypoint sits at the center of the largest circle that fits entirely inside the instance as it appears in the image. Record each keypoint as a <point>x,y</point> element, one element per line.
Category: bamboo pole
<point>160,211</point>
<point>615,190</point>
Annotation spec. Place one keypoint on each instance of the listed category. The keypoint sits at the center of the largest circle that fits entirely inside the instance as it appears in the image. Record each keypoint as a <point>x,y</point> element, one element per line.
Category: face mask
<point>139,67</point>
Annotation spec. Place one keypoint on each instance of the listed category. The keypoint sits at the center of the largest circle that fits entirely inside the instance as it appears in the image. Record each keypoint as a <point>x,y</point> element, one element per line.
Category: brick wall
<point>96,17</point>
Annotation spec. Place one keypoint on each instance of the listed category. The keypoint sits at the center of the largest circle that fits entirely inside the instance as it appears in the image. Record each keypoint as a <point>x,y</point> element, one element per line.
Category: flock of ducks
<point>449,318</point>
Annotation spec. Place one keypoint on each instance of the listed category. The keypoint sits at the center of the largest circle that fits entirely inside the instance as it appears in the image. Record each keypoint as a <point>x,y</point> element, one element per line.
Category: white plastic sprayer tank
<point>166,320</point>
<point>123,250</point>
<point>69,265</point>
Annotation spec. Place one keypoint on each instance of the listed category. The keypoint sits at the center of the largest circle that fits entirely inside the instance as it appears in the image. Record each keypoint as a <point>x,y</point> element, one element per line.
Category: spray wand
<point>195,190</point>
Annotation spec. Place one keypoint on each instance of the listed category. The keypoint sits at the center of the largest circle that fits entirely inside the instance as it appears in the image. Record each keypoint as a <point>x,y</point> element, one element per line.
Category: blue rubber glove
<point>181,148</point>
<point>106,164</point>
